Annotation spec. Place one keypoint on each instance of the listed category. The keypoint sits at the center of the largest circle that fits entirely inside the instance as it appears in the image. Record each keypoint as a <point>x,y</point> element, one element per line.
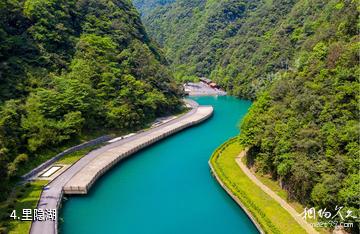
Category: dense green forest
<point>147,6</point>
<point>69,67</point>
<point>299,61</point>
<point>304,129</point>
<point>188,30</point>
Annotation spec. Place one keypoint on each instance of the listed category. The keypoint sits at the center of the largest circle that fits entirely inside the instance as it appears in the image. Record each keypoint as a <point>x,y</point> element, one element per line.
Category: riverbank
<point>273,195</point>
<point>26,193</point>
<point>166,187</point>
<point>84,179</point>
<point>264,210</point>
<point>51,197</point>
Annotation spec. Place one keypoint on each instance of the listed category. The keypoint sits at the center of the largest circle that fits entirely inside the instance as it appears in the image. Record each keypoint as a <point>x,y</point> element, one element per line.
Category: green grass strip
<point>267,212</point>
<point>24,196</point>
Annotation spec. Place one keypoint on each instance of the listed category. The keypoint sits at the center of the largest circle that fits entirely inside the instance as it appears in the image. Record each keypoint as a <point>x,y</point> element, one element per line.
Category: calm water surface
<point>166,188</point>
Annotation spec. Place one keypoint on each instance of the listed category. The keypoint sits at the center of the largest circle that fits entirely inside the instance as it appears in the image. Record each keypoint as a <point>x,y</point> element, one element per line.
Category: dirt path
<point>282,202</point>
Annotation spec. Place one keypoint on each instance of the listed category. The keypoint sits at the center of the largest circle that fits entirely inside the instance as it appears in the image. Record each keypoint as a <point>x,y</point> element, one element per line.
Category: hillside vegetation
<point>304,129</point>
<point>241,44</point>
<point>147,6</point>
<point>69,67</point>
<point>299,61</point>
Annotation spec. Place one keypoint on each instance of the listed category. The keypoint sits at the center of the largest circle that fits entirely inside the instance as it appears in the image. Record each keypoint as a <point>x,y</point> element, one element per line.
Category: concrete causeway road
<point>83,180</point>
<point>52,194</point>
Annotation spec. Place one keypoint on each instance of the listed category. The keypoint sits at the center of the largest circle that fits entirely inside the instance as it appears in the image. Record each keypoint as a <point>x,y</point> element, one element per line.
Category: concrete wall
<point>248,213</point>
<point>46,164</point>
<point>82,182</point>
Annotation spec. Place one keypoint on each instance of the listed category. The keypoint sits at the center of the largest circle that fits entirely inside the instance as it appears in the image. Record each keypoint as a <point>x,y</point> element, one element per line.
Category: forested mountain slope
<point>300,61</point>
<point>304,129</point>
<point>72,66</point>
<point>194,33</point>
<point>147,6</point>
<point>241,44</point>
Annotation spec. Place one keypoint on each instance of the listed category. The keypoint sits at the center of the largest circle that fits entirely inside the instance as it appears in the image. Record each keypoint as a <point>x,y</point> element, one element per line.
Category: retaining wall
<point>85,178</point>
<point>46,164</point>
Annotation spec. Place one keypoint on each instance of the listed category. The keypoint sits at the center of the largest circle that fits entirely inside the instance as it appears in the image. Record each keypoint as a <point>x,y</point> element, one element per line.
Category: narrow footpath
<point>282,202</point>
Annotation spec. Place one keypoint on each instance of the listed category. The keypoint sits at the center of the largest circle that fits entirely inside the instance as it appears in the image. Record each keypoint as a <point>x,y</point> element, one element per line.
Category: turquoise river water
<point>166,188</point>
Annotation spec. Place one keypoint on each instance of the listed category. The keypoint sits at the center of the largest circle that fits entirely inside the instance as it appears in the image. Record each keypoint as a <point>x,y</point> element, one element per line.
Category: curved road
<point>273,195</point>
<point>52,194</point>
